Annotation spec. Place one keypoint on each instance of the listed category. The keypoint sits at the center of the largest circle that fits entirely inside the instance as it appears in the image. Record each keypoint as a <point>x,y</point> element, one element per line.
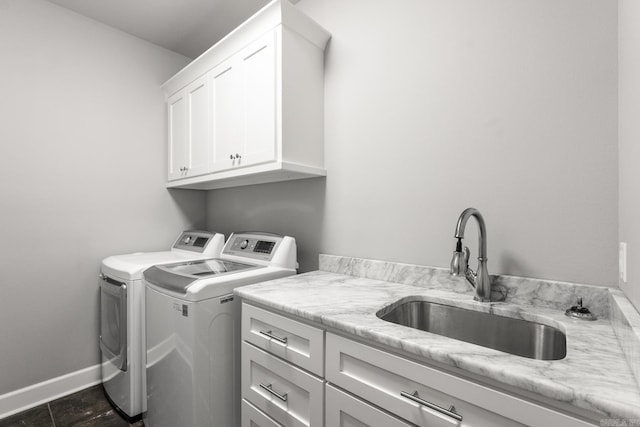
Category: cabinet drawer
<point>287,394</point>
<point>380,377</point>
<point>344,410</point>
<point>253,417</point>
<point>300,344</point>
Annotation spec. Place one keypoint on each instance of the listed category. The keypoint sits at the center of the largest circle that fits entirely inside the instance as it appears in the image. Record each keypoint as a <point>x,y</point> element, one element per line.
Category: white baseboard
<point>46,391</point>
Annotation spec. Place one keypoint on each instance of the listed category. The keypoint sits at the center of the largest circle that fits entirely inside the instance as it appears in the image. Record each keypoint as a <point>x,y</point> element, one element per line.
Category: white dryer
<point>193,330</point>
<point>122,316</point>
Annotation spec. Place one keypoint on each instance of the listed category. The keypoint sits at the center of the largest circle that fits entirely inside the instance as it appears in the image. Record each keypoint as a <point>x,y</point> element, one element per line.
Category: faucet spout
<point>479,280</point>
<point>482,237</point>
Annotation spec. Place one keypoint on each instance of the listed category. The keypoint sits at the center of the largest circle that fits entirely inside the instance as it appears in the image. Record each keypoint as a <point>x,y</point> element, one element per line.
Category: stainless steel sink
<point>514,336</point>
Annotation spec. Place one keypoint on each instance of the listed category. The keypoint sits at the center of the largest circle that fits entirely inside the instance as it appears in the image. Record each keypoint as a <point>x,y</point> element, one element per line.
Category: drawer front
<point>300,344</point>
<point>253,417</point>
<point>289,395</point>
<point>381,377</point>
<point>344,410</point>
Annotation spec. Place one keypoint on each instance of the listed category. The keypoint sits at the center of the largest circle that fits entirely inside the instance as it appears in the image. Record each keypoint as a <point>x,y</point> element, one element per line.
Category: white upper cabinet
<point>250,109</point>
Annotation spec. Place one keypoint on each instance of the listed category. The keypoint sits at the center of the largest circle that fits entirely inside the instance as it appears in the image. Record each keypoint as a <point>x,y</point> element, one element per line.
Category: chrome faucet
<point>480,280</point>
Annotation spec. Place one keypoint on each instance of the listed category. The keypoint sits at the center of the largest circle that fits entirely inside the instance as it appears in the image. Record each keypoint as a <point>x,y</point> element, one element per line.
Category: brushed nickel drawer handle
<point>270,389</point>
<point>270,335</point>
<point>415,398</point>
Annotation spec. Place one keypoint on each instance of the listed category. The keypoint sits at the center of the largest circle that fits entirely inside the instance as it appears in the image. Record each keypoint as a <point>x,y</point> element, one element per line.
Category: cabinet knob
<point>231,157</point>
<point>238,156</point>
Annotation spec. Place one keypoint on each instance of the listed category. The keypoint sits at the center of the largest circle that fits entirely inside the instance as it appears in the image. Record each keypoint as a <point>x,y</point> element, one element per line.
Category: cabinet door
<point>177,153</point>
<point>344,410</point>
<point>258,64</point>
<point>198,138</point>
<point>226,80</point>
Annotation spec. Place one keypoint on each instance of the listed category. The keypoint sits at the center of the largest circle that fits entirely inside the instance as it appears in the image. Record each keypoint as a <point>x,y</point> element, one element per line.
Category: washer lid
<point>177,277</point>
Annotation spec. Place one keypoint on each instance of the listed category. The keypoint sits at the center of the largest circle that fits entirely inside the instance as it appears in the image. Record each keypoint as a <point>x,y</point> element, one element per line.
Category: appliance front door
<point>113,321</point>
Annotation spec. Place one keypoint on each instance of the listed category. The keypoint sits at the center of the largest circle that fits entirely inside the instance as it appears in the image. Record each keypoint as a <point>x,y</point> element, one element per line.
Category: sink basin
<point>513,336</point>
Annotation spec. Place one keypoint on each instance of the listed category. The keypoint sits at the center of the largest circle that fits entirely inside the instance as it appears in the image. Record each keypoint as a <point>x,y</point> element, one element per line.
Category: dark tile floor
<point>86,408</point>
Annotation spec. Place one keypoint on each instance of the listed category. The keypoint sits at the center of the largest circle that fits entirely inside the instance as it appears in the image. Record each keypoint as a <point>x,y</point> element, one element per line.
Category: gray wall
<point>629,140</point>
<point>82,136</point>
<point>434,106</point>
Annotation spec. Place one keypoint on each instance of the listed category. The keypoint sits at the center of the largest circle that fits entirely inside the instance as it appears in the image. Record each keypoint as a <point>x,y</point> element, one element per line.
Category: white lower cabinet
<point>363,386</point>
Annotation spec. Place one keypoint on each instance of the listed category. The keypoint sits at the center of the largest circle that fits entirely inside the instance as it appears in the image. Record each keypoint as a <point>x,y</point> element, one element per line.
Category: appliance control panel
<point>253,245</point>
<point>195,241</point>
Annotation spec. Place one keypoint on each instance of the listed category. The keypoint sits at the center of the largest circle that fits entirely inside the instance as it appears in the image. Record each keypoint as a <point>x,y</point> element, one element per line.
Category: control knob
<point>244,244</point>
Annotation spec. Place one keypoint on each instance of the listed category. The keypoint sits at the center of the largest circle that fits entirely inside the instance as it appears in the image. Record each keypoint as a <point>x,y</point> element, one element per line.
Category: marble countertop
<point>594,375</point>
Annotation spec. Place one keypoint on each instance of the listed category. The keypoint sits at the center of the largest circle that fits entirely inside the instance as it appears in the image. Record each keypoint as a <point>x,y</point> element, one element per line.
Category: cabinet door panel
<point>227,114</point>
<point>303,344</point>
<point>177,115</point>
<point>287,394</point>
<point>198,127</point>
<point>259,92</point>
<point>344,410</point>
<point>253,417</point>
<point>380,378</point>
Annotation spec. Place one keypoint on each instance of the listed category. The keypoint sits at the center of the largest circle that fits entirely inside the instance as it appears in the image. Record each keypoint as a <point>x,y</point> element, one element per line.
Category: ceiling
<point>188,27</point>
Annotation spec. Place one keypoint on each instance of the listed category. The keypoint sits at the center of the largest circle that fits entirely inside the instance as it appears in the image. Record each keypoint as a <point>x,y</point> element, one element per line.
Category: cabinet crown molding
<point>278,12</point>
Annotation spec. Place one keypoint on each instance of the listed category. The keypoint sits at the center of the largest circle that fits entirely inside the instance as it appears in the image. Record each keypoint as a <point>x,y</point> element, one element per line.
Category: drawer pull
<point>270,389</point>
<point>414,397</point>
<point>270,335</point>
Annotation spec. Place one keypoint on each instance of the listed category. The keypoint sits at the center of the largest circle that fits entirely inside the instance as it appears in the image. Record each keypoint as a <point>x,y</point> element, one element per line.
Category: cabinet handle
<point>270,389</point>
<point>275,337</point>
<point>415,398</point>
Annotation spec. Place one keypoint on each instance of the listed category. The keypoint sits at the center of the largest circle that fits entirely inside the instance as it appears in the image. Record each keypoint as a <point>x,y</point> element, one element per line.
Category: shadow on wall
<point>293,208</point>
<point>513,265</point>
<point>192,206</point>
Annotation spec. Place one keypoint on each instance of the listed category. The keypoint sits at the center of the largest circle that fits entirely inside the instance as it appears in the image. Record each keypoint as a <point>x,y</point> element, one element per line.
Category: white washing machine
<point>193,330</point>
<point>122,316</point>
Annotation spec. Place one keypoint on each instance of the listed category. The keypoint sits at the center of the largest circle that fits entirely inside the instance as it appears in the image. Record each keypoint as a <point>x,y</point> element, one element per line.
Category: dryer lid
<point>177,277</point>
<point>131,266</point>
